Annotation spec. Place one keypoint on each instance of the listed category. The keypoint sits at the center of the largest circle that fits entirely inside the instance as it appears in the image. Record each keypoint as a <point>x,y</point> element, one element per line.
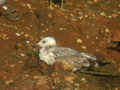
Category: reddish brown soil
<point>95,22</point>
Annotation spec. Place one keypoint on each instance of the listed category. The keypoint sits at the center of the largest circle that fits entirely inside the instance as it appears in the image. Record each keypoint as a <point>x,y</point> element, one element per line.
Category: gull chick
<point>50,53</point>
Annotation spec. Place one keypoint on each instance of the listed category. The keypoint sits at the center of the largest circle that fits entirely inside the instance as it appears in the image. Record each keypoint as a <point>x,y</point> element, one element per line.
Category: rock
<point>79,41</point>
<point>9,82</point>
<point>84,47</point>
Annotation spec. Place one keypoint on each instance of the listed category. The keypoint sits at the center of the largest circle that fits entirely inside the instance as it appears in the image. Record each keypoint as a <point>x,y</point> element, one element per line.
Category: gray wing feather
<point>63,52</point>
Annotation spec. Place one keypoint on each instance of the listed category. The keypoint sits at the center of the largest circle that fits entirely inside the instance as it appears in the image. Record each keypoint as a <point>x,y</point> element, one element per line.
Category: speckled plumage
<point>50,53</point>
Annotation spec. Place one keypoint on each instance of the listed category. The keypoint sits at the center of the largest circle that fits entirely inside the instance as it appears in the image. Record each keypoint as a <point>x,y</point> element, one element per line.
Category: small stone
<point>26,75</point>
<point>96,38</point>
<point>95,1</point>
<point>9,82</point>
<point>29,5</point>
<point>83,80</point>
<point>86,16</point>
<point>118,12</point>
<point>35,77</point>
<point>79,41</point>
<point>102,14</point>
<point>114,15</point>
<point>110,16</point>
<point>50,15</point>
<point>116,89</point>
<point>22,54</point>
<point>17,34</point>
<point>47,29</point>
<point>42,24</point>
<point>61,29</point>
<point>12,65</point>
<point>27,42</point>
<point>107,30</point>
<point>84,47</point>
<point>80,17</point>
<point>71,15</point>
<point>26,35</point>
<point>23,4</point>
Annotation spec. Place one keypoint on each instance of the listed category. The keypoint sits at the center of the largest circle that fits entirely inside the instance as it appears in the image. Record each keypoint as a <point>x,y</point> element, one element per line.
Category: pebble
<point>26,35</point>
<point>17,34</point>
<point>107,30</point>
<point>84,47</point>
<point>9,82</point>
<point>12,65</point>
<point>71,15</point>
<point>110,16</point>
<point>116,89</point>
<point>29,5</point>
<point>80,17</point>
<point>83,80</point>
<point>27,42</point>
<point>26,75</point>
<point>86,16</point>
<point>35,77</point>
<point>102,14</point>
<point>61,29</point>
<point>79,41</point>
<point>95,1</point>
<point>114,15</point>
<point>22,54</point>
<point>50,15</point>
<point>96,38</point>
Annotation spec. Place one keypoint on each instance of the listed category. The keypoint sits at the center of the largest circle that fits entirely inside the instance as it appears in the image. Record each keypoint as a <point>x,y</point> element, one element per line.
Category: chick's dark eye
<point>43,41</point>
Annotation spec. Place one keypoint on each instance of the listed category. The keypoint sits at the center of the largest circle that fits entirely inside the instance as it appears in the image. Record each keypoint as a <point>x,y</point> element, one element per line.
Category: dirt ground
<point>84,25</point>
